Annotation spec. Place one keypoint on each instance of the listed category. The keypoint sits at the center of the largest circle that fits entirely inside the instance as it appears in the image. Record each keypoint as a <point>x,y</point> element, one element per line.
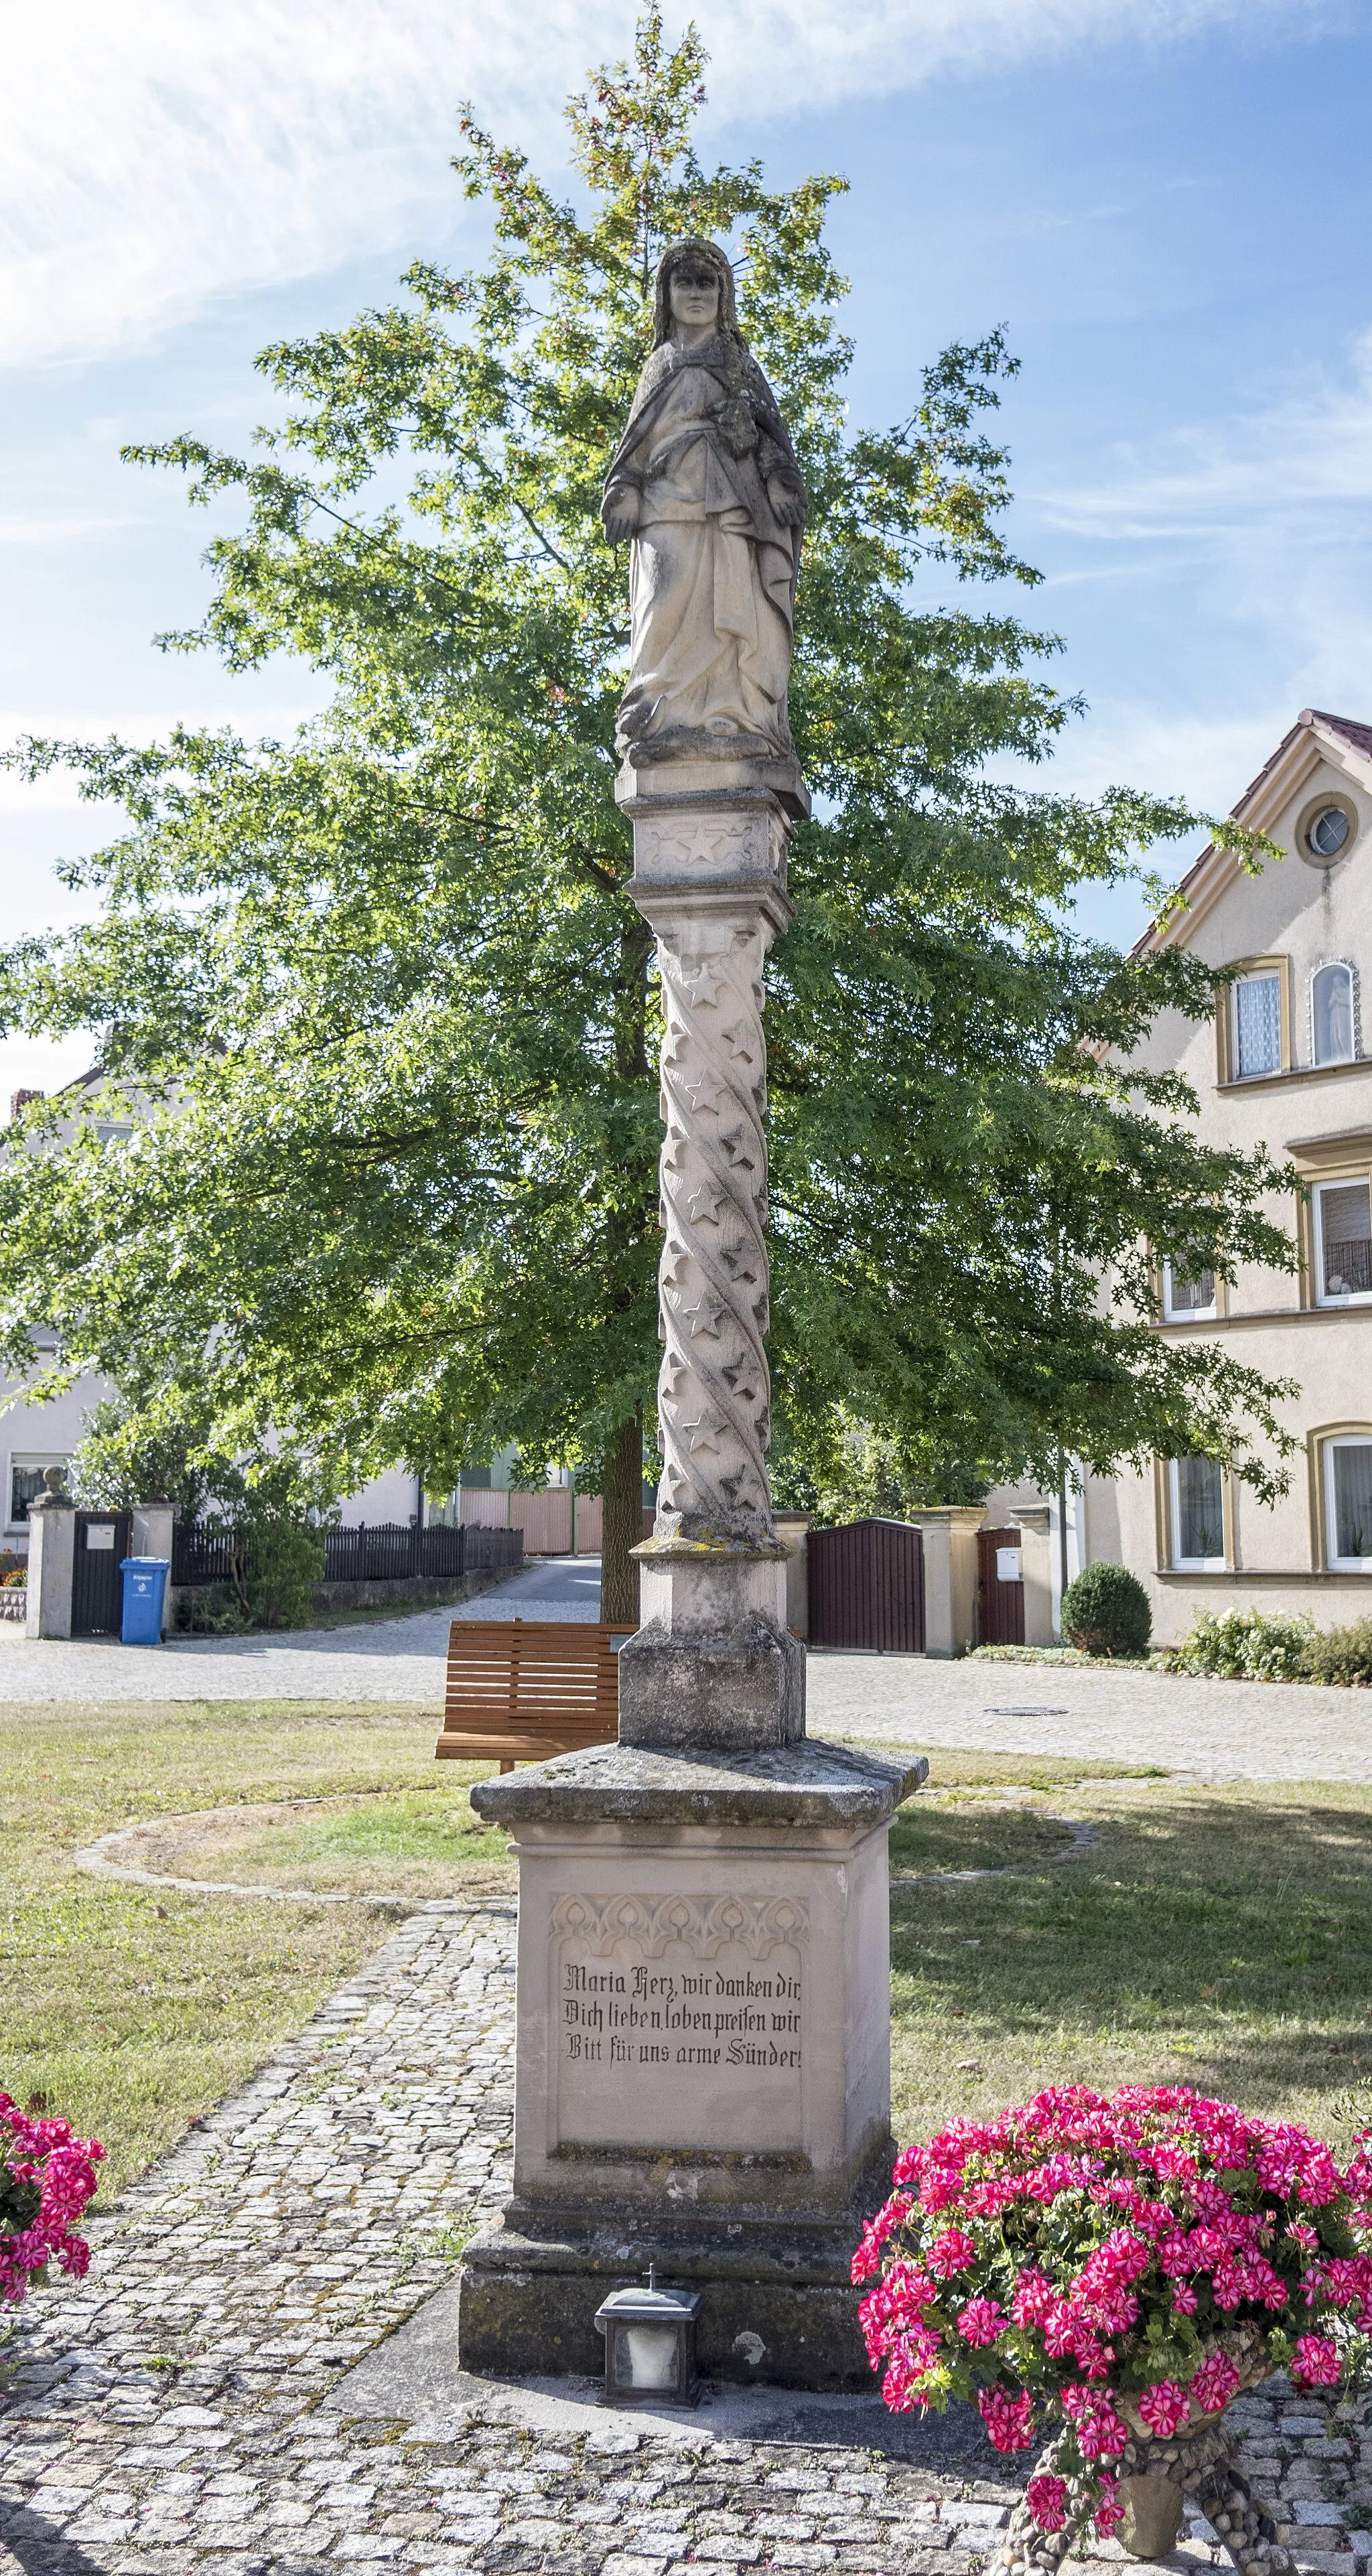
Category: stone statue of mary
<point>706,490</point>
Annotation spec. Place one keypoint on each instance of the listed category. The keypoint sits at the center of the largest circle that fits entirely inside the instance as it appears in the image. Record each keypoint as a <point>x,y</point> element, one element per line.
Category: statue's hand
<point>619,514</point>
<point>787,500</point>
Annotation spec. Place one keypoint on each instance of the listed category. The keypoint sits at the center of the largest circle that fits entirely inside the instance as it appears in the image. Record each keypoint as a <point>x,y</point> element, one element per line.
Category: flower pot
<point>1152,2514</point>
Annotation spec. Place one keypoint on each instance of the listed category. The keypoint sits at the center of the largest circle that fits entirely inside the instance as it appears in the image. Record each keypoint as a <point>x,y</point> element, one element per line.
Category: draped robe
<point>713,569</point>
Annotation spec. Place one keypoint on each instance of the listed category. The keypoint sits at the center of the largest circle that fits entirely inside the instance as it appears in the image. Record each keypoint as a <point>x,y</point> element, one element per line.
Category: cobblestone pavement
<point>186,2408</point>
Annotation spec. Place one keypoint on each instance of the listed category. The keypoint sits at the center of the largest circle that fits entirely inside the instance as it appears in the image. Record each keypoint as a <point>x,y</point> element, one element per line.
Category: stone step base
<point>789,2319</point>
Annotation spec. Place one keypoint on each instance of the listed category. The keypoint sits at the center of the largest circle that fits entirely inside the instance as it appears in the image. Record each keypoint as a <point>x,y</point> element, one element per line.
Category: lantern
<point>650,2345</point>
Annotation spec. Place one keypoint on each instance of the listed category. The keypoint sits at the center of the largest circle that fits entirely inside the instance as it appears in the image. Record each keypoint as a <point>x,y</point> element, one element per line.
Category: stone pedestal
<point>703,2069</point>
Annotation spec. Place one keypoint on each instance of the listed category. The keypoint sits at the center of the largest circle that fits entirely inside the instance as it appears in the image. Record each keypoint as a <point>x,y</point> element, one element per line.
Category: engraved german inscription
<point>680,2022</point>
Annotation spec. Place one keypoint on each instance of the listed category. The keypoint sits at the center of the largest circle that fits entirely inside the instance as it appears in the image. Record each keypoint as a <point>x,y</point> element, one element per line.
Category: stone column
<point>713,1662</point>
<point>703,2020</point>
<point>52,1560</point>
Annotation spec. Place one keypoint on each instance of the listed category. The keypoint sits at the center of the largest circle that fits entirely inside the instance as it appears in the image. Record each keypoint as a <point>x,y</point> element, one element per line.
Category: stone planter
<point>1152,2514</point>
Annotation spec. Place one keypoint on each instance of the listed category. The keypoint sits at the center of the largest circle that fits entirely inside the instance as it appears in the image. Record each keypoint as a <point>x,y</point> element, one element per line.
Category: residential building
<point>1284,1062</point>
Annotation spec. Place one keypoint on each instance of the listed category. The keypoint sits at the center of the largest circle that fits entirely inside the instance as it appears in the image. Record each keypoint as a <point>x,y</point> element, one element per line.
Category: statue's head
<point>693,258</point>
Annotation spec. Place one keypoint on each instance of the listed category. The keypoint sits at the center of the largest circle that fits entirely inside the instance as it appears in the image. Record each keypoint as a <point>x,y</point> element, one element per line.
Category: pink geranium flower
<point>981,2321</point>
<point>1315,2362</point>
<point>1164,2408</point>
<point>1009,2420</point>
<point>1046,2497</point>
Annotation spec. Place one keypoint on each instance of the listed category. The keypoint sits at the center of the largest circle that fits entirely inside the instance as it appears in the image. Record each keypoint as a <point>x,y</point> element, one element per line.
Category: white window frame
<point>1354,997</point>
<point>1190,1564</point>
<point>1340,1564</point>
<point>1351,1296</point>
<point>1255,975</point>
<point>1187,1314</point>
<point>28,1458</point>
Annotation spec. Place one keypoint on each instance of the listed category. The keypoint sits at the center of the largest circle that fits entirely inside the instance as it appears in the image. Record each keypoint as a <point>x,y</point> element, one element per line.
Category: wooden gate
<point>1000,1593</point>
<point>867,1587</point>
<point>97,1592</point>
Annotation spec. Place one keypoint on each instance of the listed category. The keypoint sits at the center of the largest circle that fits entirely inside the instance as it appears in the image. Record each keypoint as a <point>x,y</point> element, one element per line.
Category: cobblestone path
<point>182,2410</point>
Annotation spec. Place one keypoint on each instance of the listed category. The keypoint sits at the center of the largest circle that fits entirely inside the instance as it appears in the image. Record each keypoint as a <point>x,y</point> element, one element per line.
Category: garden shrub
<point>1106,1612</point>
<point>1343,1656</point>
<point>1250,1646</point>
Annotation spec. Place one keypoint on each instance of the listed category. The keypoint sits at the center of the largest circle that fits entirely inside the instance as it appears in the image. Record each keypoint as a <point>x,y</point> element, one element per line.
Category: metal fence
<point>204,1551</point>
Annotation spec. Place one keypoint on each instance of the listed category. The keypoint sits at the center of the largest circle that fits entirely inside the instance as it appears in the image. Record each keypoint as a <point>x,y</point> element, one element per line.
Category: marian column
<point>703,2050</point>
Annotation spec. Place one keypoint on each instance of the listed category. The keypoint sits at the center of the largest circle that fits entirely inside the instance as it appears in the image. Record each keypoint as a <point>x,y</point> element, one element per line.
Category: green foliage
<point>848,1470</point>
<point>389,1016</point>
<point>1251,1646</point>
<point>1106,1612</point>
<point>1343,1656</point>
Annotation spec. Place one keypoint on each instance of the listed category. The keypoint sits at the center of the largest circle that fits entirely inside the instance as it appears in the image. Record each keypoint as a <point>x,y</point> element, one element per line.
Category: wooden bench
<point>520,1690</point>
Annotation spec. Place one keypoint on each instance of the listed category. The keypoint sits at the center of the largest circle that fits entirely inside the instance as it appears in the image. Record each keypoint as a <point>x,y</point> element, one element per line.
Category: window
<point>1331,1014</point>
<point>1328,831</point>
<point>1343,1242</point>
<point>1257,1023</point>
<point>26,1484</point>
<point>1197,1495</point>
<point>1184,1300</point>
<point>1348,1503</point>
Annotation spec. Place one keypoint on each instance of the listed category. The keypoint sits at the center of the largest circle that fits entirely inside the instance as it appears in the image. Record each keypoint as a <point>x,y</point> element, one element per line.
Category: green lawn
<point>1220,1936</point>
<point>130,2011</point>
<point>1214,1936</point>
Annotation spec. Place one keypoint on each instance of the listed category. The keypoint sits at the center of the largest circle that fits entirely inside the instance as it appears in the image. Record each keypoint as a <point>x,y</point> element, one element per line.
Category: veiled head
<point>693,253</point>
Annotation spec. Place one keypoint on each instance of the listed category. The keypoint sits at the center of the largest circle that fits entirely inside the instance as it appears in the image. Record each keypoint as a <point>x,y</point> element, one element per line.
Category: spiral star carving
<point>714,1389</point>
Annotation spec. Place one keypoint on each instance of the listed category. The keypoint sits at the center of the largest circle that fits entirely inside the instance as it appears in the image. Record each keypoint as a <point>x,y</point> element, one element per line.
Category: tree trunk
<point>621,1526</point>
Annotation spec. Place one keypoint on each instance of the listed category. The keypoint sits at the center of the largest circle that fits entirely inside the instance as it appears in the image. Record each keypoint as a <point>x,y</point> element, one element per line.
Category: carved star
<point>700,1434</point>
<point>743,1054</point>
<point>703,980</point>
<point>704,1317</point>
<point>733,1146</point>
<point>700,1091</point>
<point>705,1204</point>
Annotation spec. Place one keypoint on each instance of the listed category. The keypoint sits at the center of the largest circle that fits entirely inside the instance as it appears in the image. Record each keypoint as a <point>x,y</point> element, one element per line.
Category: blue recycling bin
<point>145,1590</point>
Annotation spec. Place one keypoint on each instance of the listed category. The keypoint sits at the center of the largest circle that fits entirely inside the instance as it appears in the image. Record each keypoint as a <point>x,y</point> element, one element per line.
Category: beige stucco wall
<point>1321,1117</point>
<point>1305,915</point>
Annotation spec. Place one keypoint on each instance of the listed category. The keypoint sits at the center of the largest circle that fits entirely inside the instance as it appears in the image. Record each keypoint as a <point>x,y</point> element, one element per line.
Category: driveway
<point>1207,1730</point>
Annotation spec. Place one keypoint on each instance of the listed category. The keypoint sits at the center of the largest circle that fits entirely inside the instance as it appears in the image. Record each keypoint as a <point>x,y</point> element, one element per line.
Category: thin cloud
<point>1274,506</point>
<point>157,155</point>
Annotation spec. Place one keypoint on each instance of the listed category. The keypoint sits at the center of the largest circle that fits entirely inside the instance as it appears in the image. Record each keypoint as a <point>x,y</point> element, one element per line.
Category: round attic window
<point>1328,832</point>
<point>1326,829</point>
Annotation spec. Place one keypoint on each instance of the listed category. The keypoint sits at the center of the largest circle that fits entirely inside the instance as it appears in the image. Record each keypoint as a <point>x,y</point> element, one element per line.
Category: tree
<point>392,1017</point>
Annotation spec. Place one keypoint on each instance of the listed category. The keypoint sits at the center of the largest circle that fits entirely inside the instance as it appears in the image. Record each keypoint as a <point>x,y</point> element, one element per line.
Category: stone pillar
<point>793,1529</point>
<point>703,2031</point>
<point>1036,1557</point>
<point>950,1576</point>
<point>713,1661</point>
<point>150,1534</point>
<point>52,1560</point>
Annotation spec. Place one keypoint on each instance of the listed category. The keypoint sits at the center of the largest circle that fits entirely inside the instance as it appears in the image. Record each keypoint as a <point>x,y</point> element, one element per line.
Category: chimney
<point>20,1100</point>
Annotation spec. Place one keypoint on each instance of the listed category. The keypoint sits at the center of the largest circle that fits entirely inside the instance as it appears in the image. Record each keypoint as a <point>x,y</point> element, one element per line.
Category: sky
<point>1166,203</point>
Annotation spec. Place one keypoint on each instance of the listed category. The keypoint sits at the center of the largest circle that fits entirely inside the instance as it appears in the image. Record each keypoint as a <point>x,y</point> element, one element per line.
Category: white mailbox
<point>1008,1569</point>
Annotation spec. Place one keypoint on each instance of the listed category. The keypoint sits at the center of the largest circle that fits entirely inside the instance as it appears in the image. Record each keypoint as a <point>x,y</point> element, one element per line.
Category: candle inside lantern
<point>649,2345</point>
<point>645,2356</point>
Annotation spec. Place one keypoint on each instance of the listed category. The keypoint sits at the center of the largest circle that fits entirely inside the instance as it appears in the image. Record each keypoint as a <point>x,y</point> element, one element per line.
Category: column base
<point>777,2301</point>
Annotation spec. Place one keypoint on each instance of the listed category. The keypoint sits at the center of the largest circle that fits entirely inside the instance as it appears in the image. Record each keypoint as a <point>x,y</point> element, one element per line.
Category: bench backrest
<point>529,1687</point>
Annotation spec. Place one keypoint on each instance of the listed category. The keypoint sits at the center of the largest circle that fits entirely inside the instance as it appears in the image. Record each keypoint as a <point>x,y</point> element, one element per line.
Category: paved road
<point>1210,1730</point>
